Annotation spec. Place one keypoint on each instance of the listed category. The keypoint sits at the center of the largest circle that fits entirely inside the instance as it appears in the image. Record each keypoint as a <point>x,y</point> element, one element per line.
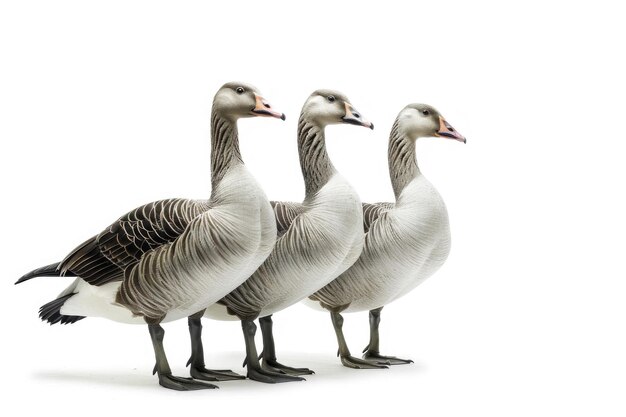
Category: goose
<point>171,258</point>
<point>405,242</point>
<point>317,239</point>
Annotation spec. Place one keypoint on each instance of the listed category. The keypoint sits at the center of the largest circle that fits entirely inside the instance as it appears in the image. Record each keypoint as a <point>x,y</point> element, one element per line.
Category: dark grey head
<point>422,120</point>
<point>236,100</point>
<point>327,107</point>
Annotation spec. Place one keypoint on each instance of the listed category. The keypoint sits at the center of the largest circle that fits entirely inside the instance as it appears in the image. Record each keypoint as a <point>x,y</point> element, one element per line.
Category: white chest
<point>336,210</point>
<point>403,248</point>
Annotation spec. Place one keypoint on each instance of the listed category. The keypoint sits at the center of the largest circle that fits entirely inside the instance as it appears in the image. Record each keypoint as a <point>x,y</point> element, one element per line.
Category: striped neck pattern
<point>402,160</point>
<point>317,169</point>
<point>224,146</point>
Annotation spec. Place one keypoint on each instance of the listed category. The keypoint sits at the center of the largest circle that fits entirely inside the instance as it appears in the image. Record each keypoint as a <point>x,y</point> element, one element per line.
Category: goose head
<point>422,120</point>
<point>237,100</point>
<point>327,107</point>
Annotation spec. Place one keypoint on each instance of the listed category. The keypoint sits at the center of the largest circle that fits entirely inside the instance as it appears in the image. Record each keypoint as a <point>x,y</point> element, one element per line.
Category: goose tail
<point>51,312</point>
<point>51,270</point>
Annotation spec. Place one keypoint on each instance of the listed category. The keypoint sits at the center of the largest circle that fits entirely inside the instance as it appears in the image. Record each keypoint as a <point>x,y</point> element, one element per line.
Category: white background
<point>105,106</point>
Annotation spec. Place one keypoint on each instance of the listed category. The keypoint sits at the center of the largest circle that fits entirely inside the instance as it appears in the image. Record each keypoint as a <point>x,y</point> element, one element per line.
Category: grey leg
<point>162,367</point>
<point>255,371</point>
<point>197,369</point>
<point>269,351</point>
<point>371,351</point>
<point>344,353</point>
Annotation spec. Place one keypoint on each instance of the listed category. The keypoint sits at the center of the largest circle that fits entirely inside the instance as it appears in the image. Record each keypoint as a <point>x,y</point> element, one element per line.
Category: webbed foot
<point>356,363</point>
<point>270,377</point>
<point>203,374</point>
<point>275,366</point>
<point>391,360</point>
<point>183,384</point>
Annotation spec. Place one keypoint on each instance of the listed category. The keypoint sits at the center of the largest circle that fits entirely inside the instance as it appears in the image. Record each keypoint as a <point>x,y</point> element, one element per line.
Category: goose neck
<point>225,152</point>
<point>402,160</point>
<point>317,169</point>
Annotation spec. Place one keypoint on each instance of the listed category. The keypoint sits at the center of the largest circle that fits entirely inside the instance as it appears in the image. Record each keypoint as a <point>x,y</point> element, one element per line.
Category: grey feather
<point>104,257</point>
<point>371,212</point>
<point>285,213</point>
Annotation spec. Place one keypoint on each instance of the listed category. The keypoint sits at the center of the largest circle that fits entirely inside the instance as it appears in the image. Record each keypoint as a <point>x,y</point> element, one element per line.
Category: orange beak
<point>447,131</point>
<point>263,108</point>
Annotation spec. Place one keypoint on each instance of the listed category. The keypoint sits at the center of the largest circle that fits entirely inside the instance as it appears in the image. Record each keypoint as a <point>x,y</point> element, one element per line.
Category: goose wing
<point>104,257</point>
<point>371,212</point>
<point>285,213</point>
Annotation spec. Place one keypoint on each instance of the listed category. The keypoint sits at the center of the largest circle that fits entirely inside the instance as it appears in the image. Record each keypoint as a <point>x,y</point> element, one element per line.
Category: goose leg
<point>371,351</point>
<point>162,367</point>
<point>255,371</point>
<point>344,353</point>
<point>197,369</point>
<point>269,351</point>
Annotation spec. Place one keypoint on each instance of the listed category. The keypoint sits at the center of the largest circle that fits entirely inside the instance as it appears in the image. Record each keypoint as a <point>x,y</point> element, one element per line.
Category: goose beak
<point>447,131</point>
<point>353,117</point>
<point>263,108</point>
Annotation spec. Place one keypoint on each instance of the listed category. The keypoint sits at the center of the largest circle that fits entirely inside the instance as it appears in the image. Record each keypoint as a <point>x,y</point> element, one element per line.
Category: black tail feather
<point>51,312</point>
<point>51,270</point>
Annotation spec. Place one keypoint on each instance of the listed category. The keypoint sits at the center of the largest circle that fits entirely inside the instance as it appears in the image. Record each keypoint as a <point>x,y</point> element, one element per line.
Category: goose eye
<point>240,90</point>
<point>425,112</point>
<point>331,98</point>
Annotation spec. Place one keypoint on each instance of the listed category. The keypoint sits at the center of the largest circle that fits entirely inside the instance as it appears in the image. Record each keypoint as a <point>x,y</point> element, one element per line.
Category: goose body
<point>169,259</point>
<point>405,242</point>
